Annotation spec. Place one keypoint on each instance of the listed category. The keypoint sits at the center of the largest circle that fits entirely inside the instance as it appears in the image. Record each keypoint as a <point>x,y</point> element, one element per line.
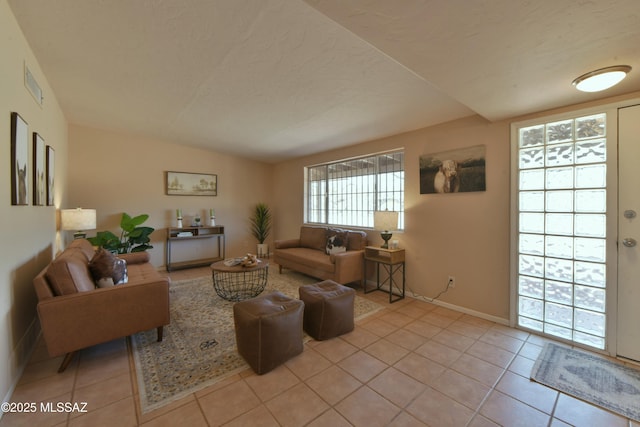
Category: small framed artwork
<point>455,171</point>
<point>19,160</point>
<point>191,184</point>
<point>39,171</point>
<point>50,174</point>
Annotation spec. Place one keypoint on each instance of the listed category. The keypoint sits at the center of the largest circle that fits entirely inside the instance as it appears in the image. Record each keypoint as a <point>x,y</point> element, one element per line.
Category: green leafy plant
<point>133,237</point>
<point>260,222</point>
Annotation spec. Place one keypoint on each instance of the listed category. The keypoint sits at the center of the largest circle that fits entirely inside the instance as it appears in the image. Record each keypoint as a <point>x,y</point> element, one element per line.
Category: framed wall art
<point>191,184</point>
<point>19,160</point>
<point>51,162</point>
<point>39,171</point>
<point>455,171</point>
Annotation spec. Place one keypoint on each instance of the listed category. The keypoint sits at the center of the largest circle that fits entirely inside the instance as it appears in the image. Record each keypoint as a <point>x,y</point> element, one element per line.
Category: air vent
<point>32,85</point>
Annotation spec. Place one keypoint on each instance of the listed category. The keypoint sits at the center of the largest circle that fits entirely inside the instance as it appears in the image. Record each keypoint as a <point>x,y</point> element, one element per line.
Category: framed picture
<point>19,160</point>
<point>455,171</point>
<point>39,171</point>
<point>50,174</point>
<point>191,184</point>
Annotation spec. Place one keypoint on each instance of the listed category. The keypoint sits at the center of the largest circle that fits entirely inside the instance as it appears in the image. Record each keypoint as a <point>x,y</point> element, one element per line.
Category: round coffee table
<point>237,283</point>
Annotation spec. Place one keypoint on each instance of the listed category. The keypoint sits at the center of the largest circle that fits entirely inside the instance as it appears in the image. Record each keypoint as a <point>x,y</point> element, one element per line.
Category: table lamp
<point>78,220</point>
<point>385,222</point>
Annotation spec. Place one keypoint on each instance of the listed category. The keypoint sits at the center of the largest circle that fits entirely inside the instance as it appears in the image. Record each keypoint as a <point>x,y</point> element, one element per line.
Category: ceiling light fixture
<point>604,78</point>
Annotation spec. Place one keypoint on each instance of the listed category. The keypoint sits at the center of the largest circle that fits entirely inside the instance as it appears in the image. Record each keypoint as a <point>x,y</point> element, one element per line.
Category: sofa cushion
<point>308,257</point>
<point>106,269</point>
<point>84,245</point>
<point>69,273</point>
<point>336,242</point>
<point>356,240</point>
<point>313,237</point>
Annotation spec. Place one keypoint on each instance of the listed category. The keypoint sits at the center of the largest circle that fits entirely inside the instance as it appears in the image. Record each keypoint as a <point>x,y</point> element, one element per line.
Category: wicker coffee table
<point>237,283</point>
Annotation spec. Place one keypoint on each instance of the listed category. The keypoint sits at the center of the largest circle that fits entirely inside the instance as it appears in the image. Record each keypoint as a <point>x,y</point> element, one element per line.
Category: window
<point>561,228</point>
<point>348,192</point>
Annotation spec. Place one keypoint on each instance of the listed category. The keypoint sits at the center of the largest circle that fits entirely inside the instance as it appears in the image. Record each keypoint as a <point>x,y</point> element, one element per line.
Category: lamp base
<point>385,236</point>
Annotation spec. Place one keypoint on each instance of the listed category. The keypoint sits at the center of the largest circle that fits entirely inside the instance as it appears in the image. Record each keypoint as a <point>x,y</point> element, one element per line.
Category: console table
<point>392,260</point>
<point>184,235</point>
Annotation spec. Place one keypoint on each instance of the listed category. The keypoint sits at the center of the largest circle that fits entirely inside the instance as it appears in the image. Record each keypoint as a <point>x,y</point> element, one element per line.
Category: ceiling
<point>276,79</point>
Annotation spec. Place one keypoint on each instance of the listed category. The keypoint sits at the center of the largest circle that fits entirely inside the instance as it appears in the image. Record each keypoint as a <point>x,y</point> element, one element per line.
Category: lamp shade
<point>385,220</point>
<point>78,219</point>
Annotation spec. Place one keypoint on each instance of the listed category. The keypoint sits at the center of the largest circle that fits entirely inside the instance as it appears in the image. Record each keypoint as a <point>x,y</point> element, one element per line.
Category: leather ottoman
<point>268,330</point>
<point>328,309</point>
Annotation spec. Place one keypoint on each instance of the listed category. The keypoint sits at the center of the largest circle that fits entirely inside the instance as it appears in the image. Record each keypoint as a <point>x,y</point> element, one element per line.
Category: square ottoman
<point>268,330</point>
<point>328,309</point>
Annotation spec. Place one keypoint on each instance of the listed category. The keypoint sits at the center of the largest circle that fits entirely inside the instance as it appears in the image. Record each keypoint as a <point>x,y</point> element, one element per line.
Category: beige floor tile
<point>362,366</point>
<point>489,353</point>
<point>38,418</point>
<point>271,384</point>
<point>522,366</point>
<point>438,320</point>
<point>297,406</point>
<point>502,341</point>
<point>462,389</point>
<point>330,418</point>
<point>440,353</point>
<point>335,349</point>
<point>478,369</point>
<point>576,412</point>
<point>423,329</point>
<point>227,403</point>
<point>404,419</point>
<point>453,340</point>
<point>514,333</point>
<point>395,318</point>
<point>507,411</point>
<point>360,337</point>
<point>186,415</point>
<point>44,388</point>
<point>467,329</point>
<point>397,387</point>
<point>386,351</point>
<point>480,421</point>
<point>365,407</point>
<point>257,417</point>
<point>436,409</point>
<point>333,384</point>
<point>307,364</point>
<point>422,369</point>
<point>379,327</point>
<point>530,350</point>
<point>121,413</point>
<point>534,394</point>
<point>406,339</point>
<point>103,393</point>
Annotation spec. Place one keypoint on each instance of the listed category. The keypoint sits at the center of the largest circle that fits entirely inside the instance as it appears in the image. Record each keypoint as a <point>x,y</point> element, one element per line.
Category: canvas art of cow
<point>447,179</point>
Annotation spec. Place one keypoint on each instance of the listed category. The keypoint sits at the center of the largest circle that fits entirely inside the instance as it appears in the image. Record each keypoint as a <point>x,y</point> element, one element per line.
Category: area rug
<point>199,347</point>
<point>591,378</point>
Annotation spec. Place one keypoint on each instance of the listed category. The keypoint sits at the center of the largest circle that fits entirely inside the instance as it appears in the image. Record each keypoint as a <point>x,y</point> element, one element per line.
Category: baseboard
<point>21,355</point>
<point>453,307</point>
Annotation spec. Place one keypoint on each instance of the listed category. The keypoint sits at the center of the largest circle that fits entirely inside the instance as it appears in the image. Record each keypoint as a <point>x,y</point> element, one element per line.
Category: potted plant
<point>261,227</point>
<point>133,238</point>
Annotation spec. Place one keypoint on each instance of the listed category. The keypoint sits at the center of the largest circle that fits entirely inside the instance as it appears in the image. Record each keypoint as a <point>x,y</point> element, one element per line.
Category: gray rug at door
<point>590,377</point>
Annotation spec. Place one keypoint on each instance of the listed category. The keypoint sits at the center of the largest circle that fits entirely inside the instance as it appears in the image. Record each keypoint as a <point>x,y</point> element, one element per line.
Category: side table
<point>391,260</point>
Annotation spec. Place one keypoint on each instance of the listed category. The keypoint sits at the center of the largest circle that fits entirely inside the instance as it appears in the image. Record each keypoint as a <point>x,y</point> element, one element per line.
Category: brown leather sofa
<point>74,314</point>
<point>308,253</point>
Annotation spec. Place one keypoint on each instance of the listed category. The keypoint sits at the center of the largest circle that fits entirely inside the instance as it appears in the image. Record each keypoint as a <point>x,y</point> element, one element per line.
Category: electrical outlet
<point>452,282</point>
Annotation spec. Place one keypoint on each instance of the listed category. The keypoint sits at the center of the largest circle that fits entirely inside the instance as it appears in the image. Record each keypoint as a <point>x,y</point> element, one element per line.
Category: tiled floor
<point>412,364</point>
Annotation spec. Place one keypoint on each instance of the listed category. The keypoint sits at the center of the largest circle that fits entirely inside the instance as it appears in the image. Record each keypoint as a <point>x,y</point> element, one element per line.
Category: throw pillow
<point>106,269</point>
<point>336,243</point>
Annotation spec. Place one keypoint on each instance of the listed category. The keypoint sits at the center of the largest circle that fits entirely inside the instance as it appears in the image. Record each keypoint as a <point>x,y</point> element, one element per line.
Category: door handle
<point>629,242</point>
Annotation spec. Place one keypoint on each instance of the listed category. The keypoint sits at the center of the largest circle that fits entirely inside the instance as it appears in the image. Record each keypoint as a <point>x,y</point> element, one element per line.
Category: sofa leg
<point>65,362</point>
<point>160,329</point>
<point>279,269</point>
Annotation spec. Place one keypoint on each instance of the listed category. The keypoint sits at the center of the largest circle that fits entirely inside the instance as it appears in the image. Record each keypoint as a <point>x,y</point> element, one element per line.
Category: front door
<point>628,339</point>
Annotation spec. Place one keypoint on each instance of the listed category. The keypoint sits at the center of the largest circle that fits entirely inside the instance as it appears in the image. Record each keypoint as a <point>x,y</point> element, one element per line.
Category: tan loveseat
<point>308,253</point>
<point>74,314</point>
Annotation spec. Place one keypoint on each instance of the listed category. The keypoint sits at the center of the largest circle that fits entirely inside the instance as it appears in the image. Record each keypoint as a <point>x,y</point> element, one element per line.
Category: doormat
<point>591,378</point>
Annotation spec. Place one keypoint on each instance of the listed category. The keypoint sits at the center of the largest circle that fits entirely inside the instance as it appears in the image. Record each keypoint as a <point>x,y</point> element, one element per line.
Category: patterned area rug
<point>199,345</point>
<point>591,378</point>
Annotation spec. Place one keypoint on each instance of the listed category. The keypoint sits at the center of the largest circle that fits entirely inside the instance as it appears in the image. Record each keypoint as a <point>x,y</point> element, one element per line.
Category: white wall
<point>29,238</point>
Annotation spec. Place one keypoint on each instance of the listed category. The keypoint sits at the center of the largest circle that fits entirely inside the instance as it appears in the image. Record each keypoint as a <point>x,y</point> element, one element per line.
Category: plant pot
<point>263,250</point>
